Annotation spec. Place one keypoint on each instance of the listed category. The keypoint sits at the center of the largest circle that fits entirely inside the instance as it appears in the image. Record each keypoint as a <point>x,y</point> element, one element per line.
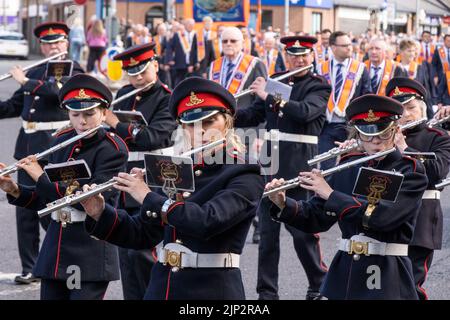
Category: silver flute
<point>435,122</point>
<point>76,198</point>
<point>31,66</point>
<point>338,151</point>
<point>114,102</point>
<point>443,183</point>
<point>13,168</point>
<point>279,78</point>
<point>293,183</point>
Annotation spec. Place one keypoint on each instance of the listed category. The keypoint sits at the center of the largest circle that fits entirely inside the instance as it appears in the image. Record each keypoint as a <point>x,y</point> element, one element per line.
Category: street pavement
<point>292,280</point>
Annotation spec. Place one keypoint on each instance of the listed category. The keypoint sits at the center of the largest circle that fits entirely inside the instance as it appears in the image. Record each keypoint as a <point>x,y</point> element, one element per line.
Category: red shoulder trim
<point>440,133</point>
<point>113,226</point>
<point>351,154</point>
<point>65,131</point>
<point>165,87</point>
<point>111,138</point>
<point>413,161</point>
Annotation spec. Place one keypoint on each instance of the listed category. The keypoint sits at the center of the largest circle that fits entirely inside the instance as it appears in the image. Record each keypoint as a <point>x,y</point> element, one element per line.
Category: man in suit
<point>236,70</point>
<point>349,79</point>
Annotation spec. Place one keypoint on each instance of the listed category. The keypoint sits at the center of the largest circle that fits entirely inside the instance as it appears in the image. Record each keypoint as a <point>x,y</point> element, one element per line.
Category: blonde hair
<point>231,136</point>
<point>97,28</point>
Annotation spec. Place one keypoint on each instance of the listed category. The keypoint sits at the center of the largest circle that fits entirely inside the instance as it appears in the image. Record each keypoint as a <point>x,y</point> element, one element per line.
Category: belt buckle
<point>64,216</point>
<point>359,248</point>
<point>30,125</point>
<point>274,135</point>
<point>173,259</point>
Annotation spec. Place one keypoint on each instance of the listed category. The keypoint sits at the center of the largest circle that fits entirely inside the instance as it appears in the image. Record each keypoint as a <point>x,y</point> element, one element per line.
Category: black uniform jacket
<point>303,114</point>
<point>428,232</point>
<point>214,219</point>
<point>36,101</point>
<point>391,222</point>
<point>106,155</point>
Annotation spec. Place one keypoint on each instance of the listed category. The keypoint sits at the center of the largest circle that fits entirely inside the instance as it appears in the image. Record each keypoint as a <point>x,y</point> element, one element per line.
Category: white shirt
<point>225,67</point>
<point>380,70</point>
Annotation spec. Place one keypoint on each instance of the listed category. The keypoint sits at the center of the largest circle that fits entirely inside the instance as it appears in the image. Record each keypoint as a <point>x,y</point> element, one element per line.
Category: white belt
<point>139,155</point>
<point>359,244</point>
<point>179,256</point>
<point>136,156</point>
<point>32,127</point>
<point>431,194</point>
<point>276,135</point>
<point>69,215</point>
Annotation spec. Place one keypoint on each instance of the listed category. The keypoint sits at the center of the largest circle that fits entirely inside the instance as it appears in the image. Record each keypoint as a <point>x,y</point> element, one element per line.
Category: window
<point>316,22</point>
<point>266,19</point>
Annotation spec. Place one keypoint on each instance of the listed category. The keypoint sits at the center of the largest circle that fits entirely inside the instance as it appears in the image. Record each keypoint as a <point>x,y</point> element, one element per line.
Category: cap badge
<point>297,44</point>
<point>51,32</point>
<point>194,100</point>
<point>397,92</point>
<point>133,62</point>
<point>371,117</point>
<point>82,95</point>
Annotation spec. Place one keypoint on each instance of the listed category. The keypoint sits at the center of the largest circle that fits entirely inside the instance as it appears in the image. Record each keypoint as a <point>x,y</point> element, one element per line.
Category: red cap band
<point>51,31</point>
<point>303,44</point>
<point>200,100</point>
<point>137,59</point>
<point>83,94</point>
<point>402,90</point>
<point>365,115</point>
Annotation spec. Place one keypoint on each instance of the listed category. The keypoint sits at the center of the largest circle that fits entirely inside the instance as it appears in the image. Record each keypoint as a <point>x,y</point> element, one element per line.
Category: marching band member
<point>209,227</point>
<point>429,226</point>
<point>372,261</point>
<point>66,242</point>
<point>349,79</point>
<point>36,103</point>
<point>300,120</point>
<point>140,64</point>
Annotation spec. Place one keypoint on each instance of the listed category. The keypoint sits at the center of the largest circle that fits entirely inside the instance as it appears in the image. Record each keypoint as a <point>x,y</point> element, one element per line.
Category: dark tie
<point>448,55</point>
<point>339,80</point>
<point>426,52</point>
<point>326,54</point>
<point>374,80</point>
<point>230,67</point>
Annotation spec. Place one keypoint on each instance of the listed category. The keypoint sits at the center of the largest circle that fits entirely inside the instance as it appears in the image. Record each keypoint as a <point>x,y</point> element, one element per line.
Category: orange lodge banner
<point>224,12</point>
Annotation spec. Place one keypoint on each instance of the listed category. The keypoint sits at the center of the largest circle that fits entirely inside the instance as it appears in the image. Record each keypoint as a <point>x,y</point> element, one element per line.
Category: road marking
<point>8,279</point>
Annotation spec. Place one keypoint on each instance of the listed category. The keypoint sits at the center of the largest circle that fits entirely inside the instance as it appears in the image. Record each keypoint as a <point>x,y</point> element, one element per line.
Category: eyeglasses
<point>343,45</point>
<point>229,40</point>
<point>388,134</point>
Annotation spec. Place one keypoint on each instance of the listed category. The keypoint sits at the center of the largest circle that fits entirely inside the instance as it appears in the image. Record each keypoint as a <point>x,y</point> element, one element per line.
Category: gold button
<point>154,215</point>
<point>77,150</point>
<point>37,98</point>
<point>148,213</point>
<point>111,134</point>
<point>198,173</point>
<point>32,110</point>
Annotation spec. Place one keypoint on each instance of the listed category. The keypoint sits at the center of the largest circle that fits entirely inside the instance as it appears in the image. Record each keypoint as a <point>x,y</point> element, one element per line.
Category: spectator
<point>77,40</point>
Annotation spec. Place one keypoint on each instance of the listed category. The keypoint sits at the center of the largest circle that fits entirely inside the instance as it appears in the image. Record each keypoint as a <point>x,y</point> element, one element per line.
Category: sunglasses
<point>229,40</point>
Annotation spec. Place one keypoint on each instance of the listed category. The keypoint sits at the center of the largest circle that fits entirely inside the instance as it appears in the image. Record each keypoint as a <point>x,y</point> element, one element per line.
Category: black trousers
<point>135,270</point>
<point>306,246</point>
<point>28,229</point>
<point>58,290</point>
<point>421,259</point>
<point>95,53</point>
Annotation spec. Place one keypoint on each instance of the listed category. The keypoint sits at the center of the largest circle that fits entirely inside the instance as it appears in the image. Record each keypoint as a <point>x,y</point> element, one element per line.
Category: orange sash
<point>270,62</point>
<point>184,42</point>
<point>412,70</point>
<point>421,57</point>
<point>347,87</point>
<point>158,45</point>
<point>388,73</point>
<point>445,66</point>
<point>216,46</point>
<point>320,54</point>
<point>200,45</point>
<point>239,75</point>
<point>247,46</point>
